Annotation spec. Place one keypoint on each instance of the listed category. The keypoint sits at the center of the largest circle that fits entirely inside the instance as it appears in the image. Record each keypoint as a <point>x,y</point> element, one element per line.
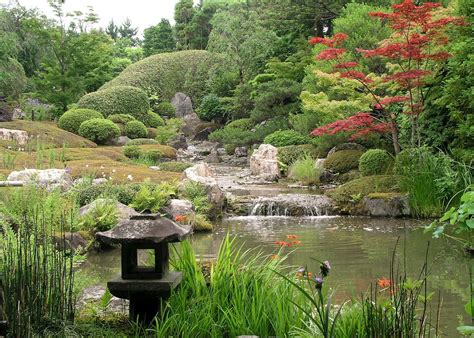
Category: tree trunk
<point>396,144</point>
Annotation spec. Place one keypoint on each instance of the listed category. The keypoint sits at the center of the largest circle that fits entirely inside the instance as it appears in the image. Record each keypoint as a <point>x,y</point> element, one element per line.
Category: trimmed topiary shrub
<point>283,138</point>
<point>343,161</point>
<point>118,100</point>
<point>100,131</point>
<point>73,118</point>
<point>121,118</point>
<point>375,162</point>
<point>136,129</point>
<point>166,109</point>
<point>168,73</point>
<point>153,120</point>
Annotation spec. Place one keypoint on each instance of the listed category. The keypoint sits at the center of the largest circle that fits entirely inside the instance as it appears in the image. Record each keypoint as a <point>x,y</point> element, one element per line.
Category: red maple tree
<point>415,47</point>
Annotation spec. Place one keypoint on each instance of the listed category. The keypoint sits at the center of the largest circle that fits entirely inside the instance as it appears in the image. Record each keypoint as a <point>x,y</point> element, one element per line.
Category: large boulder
<point>202,173</point>
<point>264,162</point>
<point>387,205</point>
<point>20,137</point>
<point>124,212</point>
<point>178,142</point>
<point>70,241</point>
<point>178,207</point>
<point>120,141</point>
<point>48,177</point>
<point>182,104</point>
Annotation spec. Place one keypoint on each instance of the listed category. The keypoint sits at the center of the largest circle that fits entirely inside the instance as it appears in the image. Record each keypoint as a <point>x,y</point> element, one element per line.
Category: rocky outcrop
<point>182,104</point>
<point>48,177</point>
<point>124,212</point>
<point>386,205</point>
<point>213,157</point>
<point>264,162</point>
<point>201,173</point>
<point>20,137</point>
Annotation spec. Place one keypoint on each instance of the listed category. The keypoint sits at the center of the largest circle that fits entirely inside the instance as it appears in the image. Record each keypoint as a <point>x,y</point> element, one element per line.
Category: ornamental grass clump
<point>305,171</point>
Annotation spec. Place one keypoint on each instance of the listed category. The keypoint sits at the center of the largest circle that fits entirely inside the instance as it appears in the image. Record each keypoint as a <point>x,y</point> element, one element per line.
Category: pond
<point>358,248</point>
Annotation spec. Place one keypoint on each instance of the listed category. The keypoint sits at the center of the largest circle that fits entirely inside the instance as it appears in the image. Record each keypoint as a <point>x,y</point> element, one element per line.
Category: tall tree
<point>159,38</point>
<point>112,30</point>
<point>127,31</point>
<point>184,12</point>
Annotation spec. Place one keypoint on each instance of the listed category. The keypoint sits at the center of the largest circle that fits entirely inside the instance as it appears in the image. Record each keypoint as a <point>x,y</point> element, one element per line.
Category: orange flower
<point>295,242</point>
<point>384,283</point>
<point>291,236</point>
<point>282,243</point>
<point>180,218</point>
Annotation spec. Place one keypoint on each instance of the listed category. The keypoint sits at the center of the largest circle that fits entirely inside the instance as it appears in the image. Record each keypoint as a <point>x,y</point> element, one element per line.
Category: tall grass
<point>304,170</point>
<point>242,297</point>
<point>37,279</point>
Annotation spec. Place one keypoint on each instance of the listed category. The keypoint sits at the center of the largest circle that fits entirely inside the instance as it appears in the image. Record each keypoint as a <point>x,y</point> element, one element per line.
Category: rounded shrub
<point>132,151</point>
<point>153,120</point>
<point>211,108</point>
<point>154,155</point>
<point>374,162</point>
<point>121,118</point>
<point>100,131</point>
<point>343,161</point>
<point>118,100</point>
<point>166,109</point>
<point>73,118</point>
<point>290,154</point>
<point>136,129</point>
<point>244,124</point>
<point>282,138</point>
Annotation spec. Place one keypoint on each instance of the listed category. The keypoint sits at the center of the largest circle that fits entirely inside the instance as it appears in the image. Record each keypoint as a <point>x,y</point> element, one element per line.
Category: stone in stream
<point>264,162</point>
<point>387,205</point>
<point>178,142</point>
<point>95,294</point>
<point>240,152</point>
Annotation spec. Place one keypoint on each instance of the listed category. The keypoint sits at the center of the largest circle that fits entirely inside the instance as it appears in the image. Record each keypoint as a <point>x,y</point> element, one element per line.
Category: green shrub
<point>118,100</point>
<point>290,154</point>
<point>166,109</point>
<point>343,161</point>
<point>141,141</point>
<point>153,198</point>
<point>175,166</point>
<point>211,108</point>
<point>100,131</point>
<point>123,193</point>
<point>167,132</point>
<point>284,138</point>
<point>168,73</point>
<point>305,171</point>
<point>244,124</point>
<point>375,162</point>
<point>103,216</point>
<point>237,137</point>
<point>199,222</point>
<point>121,118</point>
<point>132,151</point>
<point>196,193</point>
<point>153,120</point>
<point>153,155</point>
<point>230,149</point>
<point>72,119</point>
<point>136,129</point>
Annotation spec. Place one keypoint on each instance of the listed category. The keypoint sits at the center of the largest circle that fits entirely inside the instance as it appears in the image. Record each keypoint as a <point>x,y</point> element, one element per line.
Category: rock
<point>213,157</point>
<point>95,294</point>
<point>154,167</point>
<point>203,130</point>
<point>18,114</point>
<point>120,141</point>
<point>178,142</point>
<point>386,205</point>
<point>99,181</point>
<point>48,177</point>
<point>20,137</point>
<point>201,173</point>
<point>179,207</point>
<point>240,152</point>
<point>319,163</point>
<point>6,114</point>
<point>327,176</point>
<point>264,162</point>
<point>124,212</point>
<point>70,241</point>
<point>191,122</point>
<point>183,105</point>
<point>346,146</point>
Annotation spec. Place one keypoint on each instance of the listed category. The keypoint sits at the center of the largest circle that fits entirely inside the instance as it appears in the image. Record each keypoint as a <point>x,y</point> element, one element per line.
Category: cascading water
<point>291,205</point>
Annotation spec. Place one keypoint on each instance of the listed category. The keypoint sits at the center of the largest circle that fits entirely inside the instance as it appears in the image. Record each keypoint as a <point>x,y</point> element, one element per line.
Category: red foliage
<point>394,99</point>
<point>343,65</point>
<point>360,125</point>
<point>336,40</point>
<point>330,53</point>
<point>354,74</point>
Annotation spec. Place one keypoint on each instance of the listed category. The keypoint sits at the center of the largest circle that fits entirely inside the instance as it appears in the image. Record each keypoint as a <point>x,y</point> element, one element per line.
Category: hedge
<point>73,118</point>
<point>118,100</point>
<point>168,73</point>
<point>100,131</point>
<point>343,161</point>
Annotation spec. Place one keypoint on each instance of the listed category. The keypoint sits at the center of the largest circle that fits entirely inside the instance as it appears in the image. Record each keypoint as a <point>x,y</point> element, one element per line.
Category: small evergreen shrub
<point>118,100</point>
<point>244,124</point>
<point>153,155</point>
<point>73,118</point>
<point>121,118</point>
<point>284,138</point>
<point>237,137</point>
<point>175,166</point>
<point>166,109</point>
<point>123,193</point>
<point>374,162</point>
<point>343,161</point>
<point>141,141</point>
<point>197,194</point>
<point>230,149</point>
<point>290,154</point>
<point>132,151</point>
<point>153,120</point>
<point>136,129</point>
<point>100,131</point>
<point>211,108</point>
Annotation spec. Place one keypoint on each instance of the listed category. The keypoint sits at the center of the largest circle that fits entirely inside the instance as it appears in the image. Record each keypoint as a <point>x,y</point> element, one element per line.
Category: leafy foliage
<point>374,162</point>
<point>304,170</point>
<point>211,108</point>
<point>158,39</point>
<point>99,130</point>
<point>284,138</point>
<point>73,118</point>
<point>153,120</point>
<point>197,194</point>
<point>121,118</point>
<point>102,216</point>
<point>152,198</point>
<point>343,161</point>
<point>135,129</point>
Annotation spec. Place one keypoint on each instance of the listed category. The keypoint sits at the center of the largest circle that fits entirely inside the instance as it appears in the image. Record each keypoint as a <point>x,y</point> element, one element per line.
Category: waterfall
<point>291,205</point>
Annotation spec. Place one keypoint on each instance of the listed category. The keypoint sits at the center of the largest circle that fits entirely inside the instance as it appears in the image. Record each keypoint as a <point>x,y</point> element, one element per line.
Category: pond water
<point>358,248</point>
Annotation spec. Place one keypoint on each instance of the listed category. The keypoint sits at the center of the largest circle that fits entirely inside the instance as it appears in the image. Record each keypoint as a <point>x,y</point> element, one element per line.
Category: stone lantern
<point>144,286</point>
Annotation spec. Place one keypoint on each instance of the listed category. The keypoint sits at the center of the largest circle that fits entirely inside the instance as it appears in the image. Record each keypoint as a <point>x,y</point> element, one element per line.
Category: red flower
<point>180,218</point>
<point>295,242</point>
<point>384,283</point>
<point>282,243</point>
<point>291,236</point>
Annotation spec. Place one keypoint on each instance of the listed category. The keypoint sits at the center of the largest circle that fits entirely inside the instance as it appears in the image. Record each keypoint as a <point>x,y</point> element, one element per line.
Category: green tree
<point>127,31</point>
<point>183,15</point>
<point>159,38</point>
<point>112,30</point>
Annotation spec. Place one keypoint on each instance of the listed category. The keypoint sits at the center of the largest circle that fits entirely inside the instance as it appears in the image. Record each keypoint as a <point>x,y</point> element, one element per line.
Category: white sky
<point>142,13</point>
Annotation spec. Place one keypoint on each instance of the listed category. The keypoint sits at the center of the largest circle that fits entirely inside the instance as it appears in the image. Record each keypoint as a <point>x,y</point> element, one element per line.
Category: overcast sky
<point>143,13</point>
